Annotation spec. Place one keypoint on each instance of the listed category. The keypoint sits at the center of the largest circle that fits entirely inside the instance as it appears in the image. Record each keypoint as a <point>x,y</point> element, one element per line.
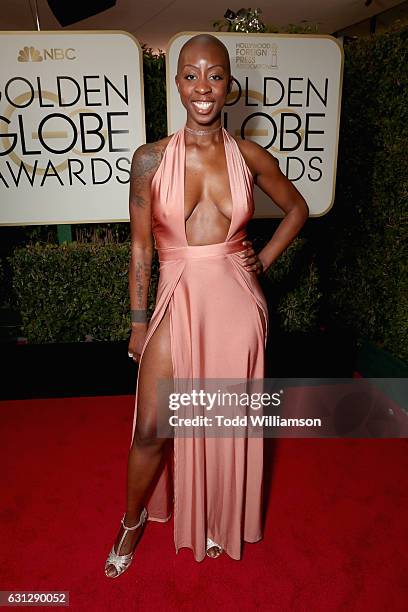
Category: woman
<point>192,194</point>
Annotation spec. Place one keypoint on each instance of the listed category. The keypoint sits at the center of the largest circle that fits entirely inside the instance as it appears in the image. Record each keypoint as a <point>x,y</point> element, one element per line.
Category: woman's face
<point>203,82</point>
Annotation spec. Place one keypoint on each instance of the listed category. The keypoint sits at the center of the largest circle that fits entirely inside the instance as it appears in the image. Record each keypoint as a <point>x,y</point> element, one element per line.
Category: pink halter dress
<point>218,326</point>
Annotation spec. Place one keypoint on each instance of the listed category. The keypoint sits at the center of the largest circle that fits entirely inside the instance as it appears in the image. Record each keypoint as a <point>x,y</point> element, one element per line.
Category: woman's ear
<point>229,87</point>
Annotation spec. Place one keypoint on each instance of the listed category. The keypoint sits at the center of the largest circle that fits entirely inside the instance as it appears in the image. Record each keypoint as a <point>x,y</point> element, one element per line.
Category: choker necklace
<point>201,132</point>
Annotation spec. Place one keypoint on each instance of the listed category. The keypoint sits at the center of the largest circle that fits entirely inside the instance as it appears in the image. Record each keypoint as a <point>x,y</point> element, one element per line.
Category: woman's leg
<point>146,452</point>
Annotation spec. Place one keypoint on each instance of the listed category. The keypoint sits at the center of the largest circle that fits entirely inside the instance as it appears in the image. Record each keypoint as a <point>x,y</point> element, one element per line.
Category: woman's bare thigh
<point>156,365</point>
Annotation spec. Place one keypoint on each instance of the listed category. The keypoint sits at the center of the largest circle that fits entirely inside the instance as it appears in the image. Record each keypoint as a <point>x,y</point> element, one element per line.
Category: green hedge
<point>292,287</point>
<point>65,292</point>
<point>367,289</point>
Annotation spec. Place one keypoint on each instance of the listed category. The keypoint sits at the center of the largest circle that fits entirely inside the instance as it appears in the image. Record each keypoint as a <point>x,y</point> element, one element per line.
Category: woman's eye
<point>189,77</point>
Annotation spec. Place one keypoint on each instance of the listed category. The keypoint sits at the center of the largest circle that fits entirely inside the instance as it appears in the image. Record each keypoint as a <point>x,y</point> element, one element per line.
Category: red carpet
<point>336,527</point>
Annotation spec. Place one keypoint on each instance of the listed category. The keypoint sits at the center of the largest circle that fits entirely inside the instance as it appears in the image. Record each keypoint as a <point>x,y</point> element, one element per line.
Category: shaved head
<point>203,41</point>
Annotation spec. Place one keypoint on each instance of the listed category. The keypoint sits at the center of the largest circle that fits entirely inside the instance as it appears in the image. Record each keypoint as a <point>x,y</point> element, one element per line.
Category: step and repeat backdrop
<point>72,114</point>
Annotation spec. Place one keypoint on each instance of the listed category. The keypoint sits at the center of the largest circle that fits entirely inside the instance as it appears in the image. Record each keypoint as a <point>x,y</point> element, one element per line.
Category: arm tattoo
<point>139,284</point>
<point>143,164</point>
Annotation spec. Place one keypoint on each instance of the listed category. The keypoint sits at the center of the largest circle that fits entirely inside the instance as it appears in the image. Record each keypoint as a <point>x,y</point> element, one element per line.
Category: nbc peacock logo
<point>29,54</point>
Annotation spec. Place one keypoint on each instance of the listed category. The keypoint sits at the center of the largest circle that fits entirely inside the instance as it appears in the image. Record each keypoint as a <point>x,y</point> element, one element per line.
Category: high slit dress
<point>218,326</point>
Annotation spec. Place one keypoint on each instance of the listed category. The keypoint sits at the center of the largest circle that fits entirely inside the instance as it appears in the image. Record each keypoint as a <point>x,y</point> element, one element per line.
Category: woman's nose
<point>203,86</point>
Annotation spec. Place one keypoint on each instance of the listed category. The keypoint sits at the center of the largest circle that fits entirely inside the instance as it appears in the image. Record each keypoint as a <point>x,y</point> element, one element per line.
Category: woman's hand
<point>136,341</point>
<point>250,259</point>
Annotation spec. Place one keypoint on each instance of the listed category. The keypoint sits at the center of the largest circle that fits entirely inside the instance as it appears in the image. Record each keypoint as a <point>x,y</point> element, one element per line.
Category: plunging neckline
<point>183,184</point>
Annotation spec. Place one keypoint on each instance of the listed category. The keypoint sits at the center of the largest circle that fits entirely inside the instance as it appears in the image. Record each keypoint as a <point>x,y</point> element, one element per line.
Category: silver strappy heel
<point>212,544</point>
<point>122,562</point>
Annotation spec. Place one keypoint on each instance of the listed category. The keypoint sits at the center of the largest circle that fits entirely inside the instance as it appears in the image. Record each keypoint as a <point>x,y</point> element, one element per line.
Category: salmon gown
<point>218,326</point>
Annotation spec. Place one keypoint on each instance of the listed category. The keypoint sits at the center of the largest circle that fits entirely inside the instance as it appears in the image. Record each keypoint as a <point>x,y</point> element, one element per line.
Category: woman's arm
<point>268,176</point>
<point>145,162</point>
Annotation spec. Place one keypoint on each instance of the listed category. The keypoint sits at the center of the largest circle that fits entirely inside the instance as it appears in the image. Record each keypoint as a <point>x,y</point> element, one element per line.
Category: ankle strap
<point>143,516</point>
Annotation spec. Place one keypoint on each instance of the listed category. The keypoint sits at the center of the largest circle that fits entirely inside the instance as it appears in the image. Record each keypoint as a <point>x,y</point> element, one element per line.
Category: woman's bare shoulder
<point>252,152</point>
<point>147,157</point>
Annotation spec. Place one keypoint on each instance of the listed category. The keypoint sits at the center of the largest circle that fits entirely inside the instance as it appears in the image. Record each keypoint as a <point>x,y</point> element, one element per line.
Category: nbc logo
<point>29,54</point>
